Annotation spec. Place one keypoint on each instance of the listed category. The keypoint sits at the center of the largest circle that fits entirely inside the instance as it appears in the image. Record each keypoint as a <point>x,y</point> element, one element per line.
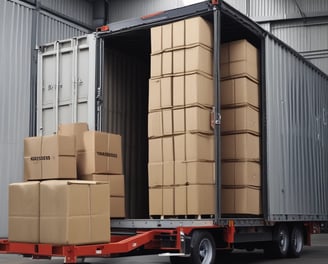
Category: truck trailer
<point>102,79</point>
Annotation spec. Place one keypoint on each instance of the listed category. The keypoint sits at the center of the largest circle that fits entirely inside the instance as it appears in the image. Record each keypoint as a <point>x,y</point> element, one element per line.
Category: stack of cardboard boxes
<point>241,182</point>
<point>181,154</point>
<point>53,206</point>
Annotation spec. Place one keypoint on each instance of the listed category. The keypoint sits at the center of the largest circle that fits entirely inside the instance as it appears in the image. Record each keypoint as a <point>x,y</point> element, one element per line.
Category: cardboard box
<point>74,129</point>
<point>179,120</point>
<point>199,90</point>
<point>154,100</point>
<point>243,60</point>
<point>199,31</point>
<point>167,36</point>
<point>243,119</point>
<point>166,92</point>
<point>156,201</point>
<point>180,147</point>
<point>178,91</point>
<point>239,92</point>
<point>168,200</point>
<point>167,122</point>
<point>180,200</point>
<point>168,173</point>
<point>179,61</point>
<point>198,120</point>
<point>24,212</point>
<point>156,39</point>
<point>199,147</point>
<point>241,174</point>
<point>200,172</point>
<point>241,147</point>
<point>179,34</point>
<point>117,207</point>
<point>201,199</point>
<point>155,150</point>
<point>199,59</point>
<point>49,157</point>
<point>167,63</point>
<point>168,151</point>
<point>155,122</point>
<point>180,173</point>
<point>156,65</point>
<point>241,200</point>
<point>155,174</point>
<point>116,182</point>
<point>74,212</point>
<point>103,154</point>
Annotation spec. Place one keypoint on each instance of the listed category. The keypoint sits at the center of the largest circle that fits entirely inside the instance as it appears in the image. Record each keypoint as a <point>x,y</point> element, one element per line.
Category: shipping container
<point>102,79</point>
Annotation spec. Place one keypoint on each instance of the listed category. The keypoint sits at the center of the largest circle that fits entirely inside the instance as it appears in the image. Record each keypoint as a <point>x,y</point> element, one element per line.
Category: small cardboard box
<point>167,36</point>
<point>179,34</point>
<point>180,200</point>
<point>154,101</point>
<point>240,120</point>
<point>239,92</point>
<point>168,200</point>
<point>168,152</point>
<point>166,92</point>
<point>168,173</point>
<point>156,201</point>
<point>117,207</point>
<point>156,65</point>
<point>24,212</point>
<point>199,147</point>
<point>74,212</point>
<point>240,147</point>
<point>155,147</point>
<point>199,90</point>
<point>179,61</point>
<point>199,31</point>
<point>116,182</point>
<point>155,174</point>
<point>180,147</point>
<point>201,199</point>
<point>241,200</point>
<point>74,129</point>
<point>103,154</point>
<point>180,173</point>
<point>178,91</point>
<point>167,122</point>
<point>198,119</point>
<point>156,39</point>
<point>199,59</point>
<point>179,121</point>
<point>167,63</point>
<point>155,123</point>
<point>241,174</point>
<point>200,172</point>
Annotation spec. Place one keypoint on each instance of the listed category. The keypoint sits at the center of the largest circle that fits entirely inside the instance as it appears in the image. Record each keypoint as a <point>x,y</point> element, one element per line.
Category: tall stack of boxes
<point>181,154</point>
<point>241,182</point>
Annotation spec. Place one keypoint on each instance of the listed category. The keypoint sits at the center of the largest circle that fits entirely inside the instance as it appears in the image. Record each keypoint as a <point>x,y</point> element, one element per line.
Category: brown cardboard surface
<point>167,36</point>
<point>180,147</point>
<point>166,92</point>
<point>180,200</point>
<point>168,200</point>
<point>156,201</point>
<point>24,211</point>
<point>200,199</point>
<point>199,147</point>
<point>155,174</point>
<point>199,31</point>
<point>117,207</point>
<point>74,129</point>
<point>199,90</point>
<point>179,61</point>
<point>242,147</point>
<point>74,212</point>
<point>179,34</point>
<point>156,39</point>
<point>168,173</point>
<point>241,174</point>
<point>168,149</point>
<point>200,172</point>
<point>240,119</point>
<point>239,92</point>
<point>155,150</point>
<point>154,100</point>
<point>179,125</point>
<point>241,200</point>
<point>155,123</point>
<point>198,119</point>
<point>180,173</point>
<point>198,59</point>
<point>156,65</point>
<point>167,63</point>
<point>178,91</point>
<point>167,122</point>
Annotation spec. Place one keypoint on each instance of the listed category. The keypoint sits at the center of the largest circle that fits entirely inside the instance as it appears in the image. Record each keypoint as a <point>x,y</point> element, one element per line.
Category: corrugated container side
<point>297,136</point>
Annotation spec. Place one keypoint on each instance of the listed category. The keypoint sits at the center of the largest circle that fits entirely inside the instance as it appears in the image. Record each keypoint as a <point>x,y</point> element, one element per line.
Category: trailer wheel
<point>280,245</point>
<point>296,242</point>
<point>203,248</point>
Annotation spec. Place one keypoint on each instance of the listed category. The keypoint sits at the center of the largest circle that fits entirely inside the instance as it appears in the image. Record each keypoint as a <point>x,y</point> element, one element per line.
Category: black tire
<point>203,248</point>
<point>180,260</point>
<point>280,245</point>
<point>296,242</point>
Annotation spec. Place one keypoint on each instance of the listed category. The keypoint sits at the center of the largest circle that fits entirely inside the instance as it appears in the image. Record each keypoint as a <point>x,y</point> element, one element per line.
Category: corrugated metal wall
<point>297,135</point>
<point>17,40</point>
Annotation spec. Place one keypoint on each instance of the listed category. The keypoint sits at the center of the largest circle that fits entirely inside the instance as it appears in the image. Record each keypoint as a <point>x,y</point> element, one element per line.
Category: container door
<point>66,83</point>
